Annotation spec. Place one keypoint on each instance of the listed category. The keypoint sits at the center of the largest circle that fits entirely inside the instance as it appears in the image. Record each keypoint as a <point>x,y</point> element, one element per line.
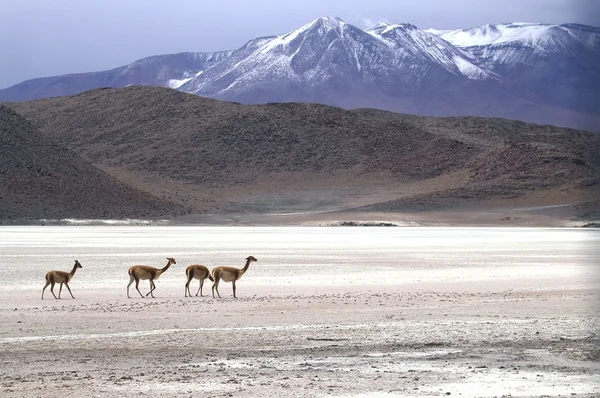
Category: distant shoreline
<point>543,217</point>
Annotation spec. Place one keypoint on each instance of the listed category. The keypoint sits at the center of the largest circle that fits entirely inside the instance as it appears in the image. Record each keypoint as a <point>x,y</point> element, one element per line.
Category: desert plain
<point>326,311</point>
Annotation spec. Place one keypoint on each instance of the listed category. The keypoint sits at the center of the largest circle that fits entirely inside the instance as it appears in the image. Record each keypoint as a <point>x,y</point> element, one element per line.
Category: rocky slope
<point>42,180</point>
<point>214,156</point>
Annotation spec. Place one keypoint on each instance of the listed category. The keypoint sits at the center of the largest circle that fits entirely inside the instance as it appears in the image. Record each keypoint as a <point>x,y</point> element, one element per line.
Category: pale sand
<point>418,339</point>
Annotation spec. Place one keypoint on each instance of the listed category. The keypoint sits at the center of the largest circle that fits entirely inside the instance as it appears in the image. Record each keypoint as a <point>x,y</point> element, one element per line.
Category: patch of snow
<point>409,41</point>
<point>438,32</point>
<point>470,70</point>
<point>176,83</point>
<point>283,40</point>
<point>531,34</point>
<point>328,23</point>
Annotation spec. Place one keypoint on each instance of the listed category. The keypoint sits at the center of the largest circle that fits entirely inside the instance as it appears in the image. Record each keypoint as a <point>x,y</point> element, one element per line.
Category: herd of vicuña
<point>146,272</point>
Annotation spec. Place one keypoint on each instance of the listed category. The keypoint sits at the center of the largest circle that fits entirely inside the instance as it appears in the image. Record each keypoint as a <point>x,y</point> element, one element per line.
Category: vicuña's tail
<point>211,278</point>
<point>129,271</point>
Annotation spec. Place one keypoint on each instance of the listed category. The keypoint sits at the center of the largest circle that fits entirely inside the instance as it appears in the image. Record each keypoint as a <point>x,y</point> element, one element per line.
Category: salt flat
<point>340,311</point>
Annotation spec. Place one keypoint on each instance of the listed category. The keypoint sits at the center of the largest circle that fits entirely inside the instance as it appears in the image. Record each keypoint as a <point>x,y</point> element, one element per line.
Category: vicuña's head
<point>251,258</point>
<point>171,260</point>
<point>77,265</point>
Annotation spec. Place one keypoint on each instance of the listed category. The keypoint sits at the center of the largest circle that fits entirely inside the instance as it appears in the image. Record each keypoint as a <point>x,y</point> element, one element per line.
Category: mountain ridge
<point>42,180</point>
<point>533,72</point>
<point>223,158</point>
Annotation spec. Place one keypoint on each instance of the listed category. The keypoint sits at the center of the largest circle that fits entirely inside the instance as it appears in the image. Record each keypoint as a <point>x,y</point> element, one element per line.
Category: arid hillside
<point>223,157</point>
<point>42,180</point>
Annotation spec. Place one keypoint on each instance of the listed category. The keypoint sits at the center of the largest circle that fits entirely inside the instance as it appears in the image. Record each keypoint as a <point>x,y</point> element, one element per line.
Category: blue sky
<point>41,38</point>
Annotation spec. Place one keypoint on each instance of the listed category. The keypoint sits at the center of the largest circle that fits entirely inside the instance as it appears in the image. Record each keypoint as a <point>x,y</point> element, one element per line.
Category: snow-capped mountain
<point>557,65</point>
<point>422,47</point>
<point>329,56</point>
<point>528,71</point>
<point>161,70</point>
<point>544,37</point>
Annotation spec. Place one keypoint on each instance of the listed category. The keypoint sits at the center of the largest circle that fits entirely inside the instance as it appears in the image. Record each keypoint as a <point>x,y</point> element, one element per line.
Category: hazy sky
<point>41,38</point>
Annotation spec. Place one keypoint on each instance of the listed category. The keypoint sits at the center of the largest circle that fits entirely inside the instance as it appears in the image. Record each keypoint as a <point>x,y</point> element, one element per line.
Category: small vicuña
<point>54,277</point>
<point>196,271</point>
<point>144,272</point>
<point>229,274</point>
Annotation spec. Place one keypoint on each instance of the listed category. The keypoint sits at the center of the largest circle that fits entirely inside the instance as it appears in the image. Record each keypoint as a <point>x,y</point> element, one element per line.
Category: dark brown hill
<point>42,180</point>
<point>221,156</point>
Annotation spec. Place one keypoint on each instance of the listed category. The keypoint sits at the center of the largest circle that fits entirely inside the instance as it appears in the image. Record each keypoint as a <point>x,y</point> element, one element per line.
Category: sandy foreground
<point>430,339</point>
<point>325,312</point>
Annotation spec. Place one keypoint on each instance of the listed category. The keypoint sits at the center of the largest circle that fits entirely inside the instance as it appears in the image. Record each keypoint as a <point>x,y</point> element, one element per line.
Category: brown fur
<point>229,274</point>
<point>199,272</point>
<point>54,277</point>
<point>143,272</point>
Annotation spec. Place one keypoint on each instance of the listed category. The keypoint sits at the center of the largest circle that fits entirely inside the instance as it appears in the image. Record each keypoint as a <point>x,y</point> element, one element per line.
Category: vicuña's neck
<point>166,267</point>
<point>73,270</point>
<point>246,266</point>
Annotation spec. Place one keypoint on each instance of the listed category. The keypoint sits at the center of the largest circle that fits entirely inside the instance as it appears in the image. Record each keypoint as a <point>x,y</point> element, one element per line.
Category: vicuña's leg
<point>137,287</point>
<point>200,288</point>
<point>52,289</point>
<point>215,286</point>
<point>187,287</point>
<point>234,290</point>
<point>131,279</point>
<point>60,290</point>
<point>152,287</point>
<point>47,284</point>
<point>67,285</point>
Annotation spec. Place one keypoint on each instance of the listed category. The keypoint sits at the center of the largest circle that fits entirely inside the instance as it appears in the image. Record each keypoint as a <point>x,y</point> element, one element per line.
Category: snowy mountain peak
<point>321,25</point>
<point>384,27</point>
<point>488,30</point>
<point>523,33</point>
<point>328,22</point>
<point>329,28</point>
<point>378,25</point>
<point>325,25</point>
<point>411,42</point>
<point>329,52</point>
